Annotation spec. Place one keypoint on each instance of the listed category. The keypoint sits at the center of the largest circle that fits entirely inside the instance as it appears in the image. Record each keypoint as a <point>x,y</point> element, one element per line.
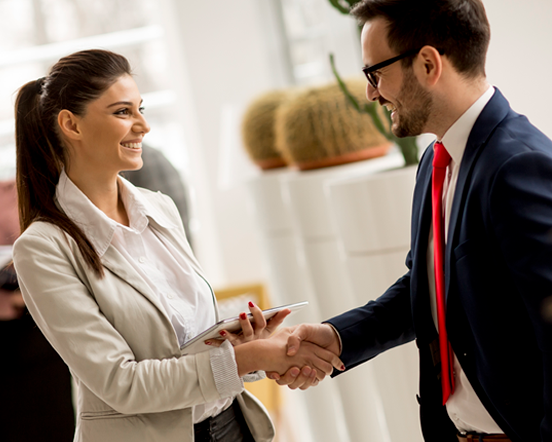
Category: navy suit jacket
<point>498,270</point>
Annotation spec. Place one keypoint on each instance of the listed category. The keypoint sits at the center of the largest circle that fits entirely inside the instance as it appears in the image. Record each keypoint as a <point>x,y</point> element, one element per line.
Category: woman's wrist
<point>251,356</point>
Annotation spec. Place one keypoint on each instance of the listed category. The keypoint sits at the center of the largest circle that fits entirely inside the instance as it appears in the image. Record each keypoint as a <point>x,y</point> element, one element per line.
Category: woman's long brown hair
<point>73,82</point>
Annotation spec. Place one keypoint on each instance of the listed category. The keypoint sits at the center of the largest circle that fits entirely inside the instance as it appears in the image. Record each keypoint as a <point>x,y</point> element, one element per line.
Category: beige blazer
<point>133,383</point>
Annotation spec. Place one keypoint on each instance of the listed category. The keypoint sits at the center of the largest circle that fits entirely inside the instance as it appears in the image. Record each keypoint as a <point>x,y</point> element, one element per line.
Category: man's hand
<point>270,355</point>
<point>322,335</point>
<point>296,378</point>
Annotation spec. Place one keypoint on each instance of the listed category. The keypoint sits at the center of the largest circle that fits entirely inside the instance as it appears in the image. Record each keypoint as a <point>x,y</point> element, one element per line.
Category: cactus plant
<point>407,145</point>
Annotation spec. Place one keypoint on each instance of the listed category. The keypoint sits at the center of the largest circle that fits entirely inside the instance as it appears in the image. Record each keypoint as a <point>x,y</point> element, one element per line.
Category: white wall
<point>230,55</point>
<point>520,57</point>
<point>225,61</point>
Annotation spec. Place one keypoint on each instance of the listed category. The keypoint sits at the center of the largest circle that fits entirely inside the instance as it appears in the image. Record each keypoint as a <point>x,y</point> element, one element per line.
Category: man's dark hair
<point>458,28</point>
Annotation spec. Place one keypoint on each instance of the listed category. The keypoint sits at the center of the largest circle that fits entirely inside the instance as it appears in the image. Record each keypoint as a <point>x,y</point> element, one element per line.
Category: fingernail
<point>207,342</point>
<point>222,333</point>
<point>342,367</point>
<point>251,304</point>
<point>290,349</point>
<point>295,372</point>
<point>243,316</point>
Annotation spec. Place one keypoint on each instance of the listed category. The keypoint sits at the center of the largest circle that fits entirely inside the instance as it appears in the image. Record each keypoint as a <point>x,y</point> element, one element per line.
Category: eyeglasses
<point>369,71</point>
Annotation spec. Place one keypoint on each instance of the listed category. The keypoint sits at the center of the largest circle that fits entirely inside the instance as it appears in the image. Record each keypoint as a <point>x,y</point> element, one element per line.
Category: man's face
<point>398,88</point>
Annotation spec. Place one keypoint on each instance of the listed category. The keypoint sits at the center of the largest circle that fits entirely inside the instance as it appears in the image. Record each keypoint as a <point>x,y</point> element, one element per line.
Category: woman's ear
<point>69,124</point>
<point>429,65</point>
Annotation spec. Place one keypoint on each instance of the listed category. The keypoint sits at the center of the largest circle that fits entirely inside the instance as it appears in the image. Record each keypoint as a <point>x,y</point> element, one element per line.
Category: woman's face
<point>111,131</point>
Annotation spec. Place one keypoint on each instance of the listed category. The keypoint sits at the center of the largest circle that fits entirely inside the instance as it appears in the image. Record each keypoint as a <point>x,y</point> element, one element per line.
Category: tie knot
<point>441,158</point>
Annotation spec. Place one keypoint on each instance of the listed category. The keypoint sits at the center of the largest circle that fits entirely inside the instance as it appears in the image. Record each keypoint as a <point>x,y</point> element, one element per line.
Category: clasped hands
<point>319,340</point>
<point>299,356</point>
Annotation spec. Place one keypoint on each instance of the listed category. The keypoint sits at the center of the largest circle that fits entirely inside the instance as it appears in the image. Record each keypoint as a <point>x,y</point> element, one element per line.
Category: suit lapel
<point>493,113</point>
<point>421,225</point>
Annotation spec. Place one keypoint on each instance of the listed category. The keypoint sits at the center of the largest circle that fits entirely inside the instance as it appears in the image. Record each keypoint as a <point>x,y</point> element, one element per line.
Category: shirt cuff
<point>254,376</point>
<point>338,337</point>
<point>225,371</point>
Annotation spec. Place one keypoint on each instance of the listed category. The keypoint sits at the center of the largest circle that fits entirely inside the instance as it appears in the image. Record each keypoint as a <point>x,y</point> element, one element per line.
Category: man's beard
<point>412,121</point>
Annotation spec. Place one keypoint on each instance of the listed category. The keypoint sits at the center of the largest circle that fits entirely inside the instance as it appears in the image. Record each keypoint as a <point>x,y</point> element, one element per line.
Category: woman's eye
<point>122,112</point>
<point>142,109</point>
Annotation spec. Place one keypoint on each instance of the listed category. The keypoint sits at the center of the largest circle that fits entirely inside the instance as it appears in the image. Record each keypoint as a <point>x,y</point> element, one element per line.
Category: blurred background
<point>199,64</point>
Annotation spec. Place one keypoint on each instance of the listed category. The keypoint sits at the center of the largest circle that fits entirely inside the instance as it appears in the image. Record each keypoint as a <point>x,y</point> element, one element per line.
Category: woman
<point>107,273</point>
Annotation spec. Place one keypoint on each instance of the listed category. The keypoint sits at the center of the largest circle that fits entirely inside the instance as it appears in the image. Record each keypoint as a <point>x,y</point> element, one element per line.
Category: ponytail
<point>40,155</point>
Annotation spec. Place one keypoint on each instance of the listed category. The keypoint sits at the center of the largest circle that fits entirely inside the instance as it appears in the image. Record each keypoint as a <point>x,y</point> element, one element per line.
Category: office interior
<point>281,234</point>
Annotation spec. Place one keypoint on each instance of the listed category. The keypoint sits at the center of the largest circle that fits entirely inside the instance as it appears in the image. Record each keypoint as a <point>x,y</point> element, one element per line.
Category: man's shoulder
<point>517,135</point>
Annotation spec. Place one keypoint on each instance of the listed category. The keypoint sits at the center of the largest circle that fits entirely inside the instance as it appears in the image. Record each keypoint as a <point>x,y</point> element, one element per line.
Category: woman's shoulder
<point>42,229</point>
<point>40,234</point>
<point>42,243</point>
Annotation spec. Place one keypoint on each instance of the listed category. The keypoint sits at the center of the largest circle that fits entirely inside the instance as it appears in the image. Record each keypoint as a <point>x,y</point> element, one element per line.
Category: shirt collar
<point>96,225</point>
<point>456,138</point>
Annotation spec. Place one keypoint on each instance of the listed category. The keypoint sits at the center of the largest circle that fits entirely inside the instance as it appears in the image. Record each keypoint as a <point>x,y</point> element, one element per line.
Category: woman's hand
<point>271,355</point>
<point>257,328</point>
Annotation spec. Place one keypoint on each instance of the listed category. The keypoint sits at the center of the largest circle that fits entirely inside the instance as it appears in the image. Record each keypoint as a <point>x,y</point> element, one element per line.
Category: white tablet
<point>197,344</point>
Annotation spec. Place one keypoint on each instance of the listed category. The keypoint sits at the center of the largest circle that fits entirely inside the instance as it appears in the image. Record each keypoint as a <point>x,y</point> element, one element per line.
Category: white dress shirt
<point>464,407</point>
<point>186,297</point>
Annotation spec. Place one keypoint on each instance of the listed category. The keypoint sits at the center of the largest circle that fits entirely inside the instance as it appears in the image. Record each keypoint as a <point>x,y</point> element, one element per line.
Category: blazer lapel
<point>493,113</point>
<point>117,264</point>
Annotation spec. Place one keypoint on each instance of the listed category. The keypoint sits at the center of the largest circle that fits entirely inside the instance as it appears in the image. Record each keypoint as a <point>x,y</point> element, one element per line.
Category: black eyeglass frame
<point>369,70</point>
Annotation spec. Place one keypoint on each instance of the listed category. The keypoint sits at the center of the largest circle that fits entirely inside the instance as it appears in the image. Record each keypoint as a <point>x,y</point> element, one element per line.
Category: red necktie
<point>441,159</point>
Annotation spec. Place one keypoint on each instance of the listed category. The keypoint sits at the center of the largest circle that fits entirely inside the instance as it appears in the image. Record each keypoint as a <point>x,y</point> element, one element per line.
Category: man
<point>480,264</point>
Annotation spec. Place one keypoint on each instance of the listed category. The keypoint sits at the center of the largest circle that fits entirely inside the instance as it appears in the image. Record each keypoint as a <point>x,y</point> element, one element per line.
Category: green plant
<point>407,145</point>
<point>340,5</point>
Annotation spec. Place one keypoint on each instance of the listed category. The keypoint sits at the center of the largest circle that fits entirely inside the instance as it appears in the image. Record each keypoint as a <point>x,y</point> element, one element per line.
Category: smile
<point>132,145</point>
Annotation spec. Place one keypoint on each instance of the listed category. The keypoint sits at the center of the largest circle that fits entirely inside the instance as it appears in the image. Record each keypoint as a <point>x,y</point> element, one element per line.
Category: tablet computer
<point>197,343</point>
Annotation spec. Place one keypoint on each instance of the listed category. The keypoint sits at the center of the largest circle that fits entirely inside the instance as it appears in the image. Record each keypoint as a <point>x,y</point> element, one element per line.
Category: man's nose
<point>372,93</point>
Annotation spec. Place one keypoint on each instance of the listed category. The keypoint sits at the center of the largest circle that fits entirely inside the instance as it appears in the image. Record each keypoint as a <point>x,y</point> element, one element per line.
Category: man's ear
<point>429,65</point>
<point>69,124</point>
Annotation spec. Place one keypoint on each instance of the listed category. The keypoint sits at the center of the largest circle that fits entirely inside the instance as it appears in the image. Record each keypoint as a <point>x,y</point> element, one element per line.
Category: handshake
<point>299,356</point>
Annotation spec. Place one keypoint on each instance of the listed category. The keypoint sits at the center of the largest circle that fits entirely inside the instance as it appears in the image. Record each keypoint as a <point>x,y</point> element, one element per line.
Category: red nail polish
<point>251,304</point>
<point>243,316</point>
<point>208,342</point>
<point>222,333</point>
<point>342,367</point>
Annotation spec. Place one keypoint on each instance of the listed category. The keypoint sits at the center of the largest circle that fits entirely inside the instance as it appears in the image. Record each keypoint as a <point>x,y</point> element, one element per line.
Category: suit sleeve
<point>521,213</point>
